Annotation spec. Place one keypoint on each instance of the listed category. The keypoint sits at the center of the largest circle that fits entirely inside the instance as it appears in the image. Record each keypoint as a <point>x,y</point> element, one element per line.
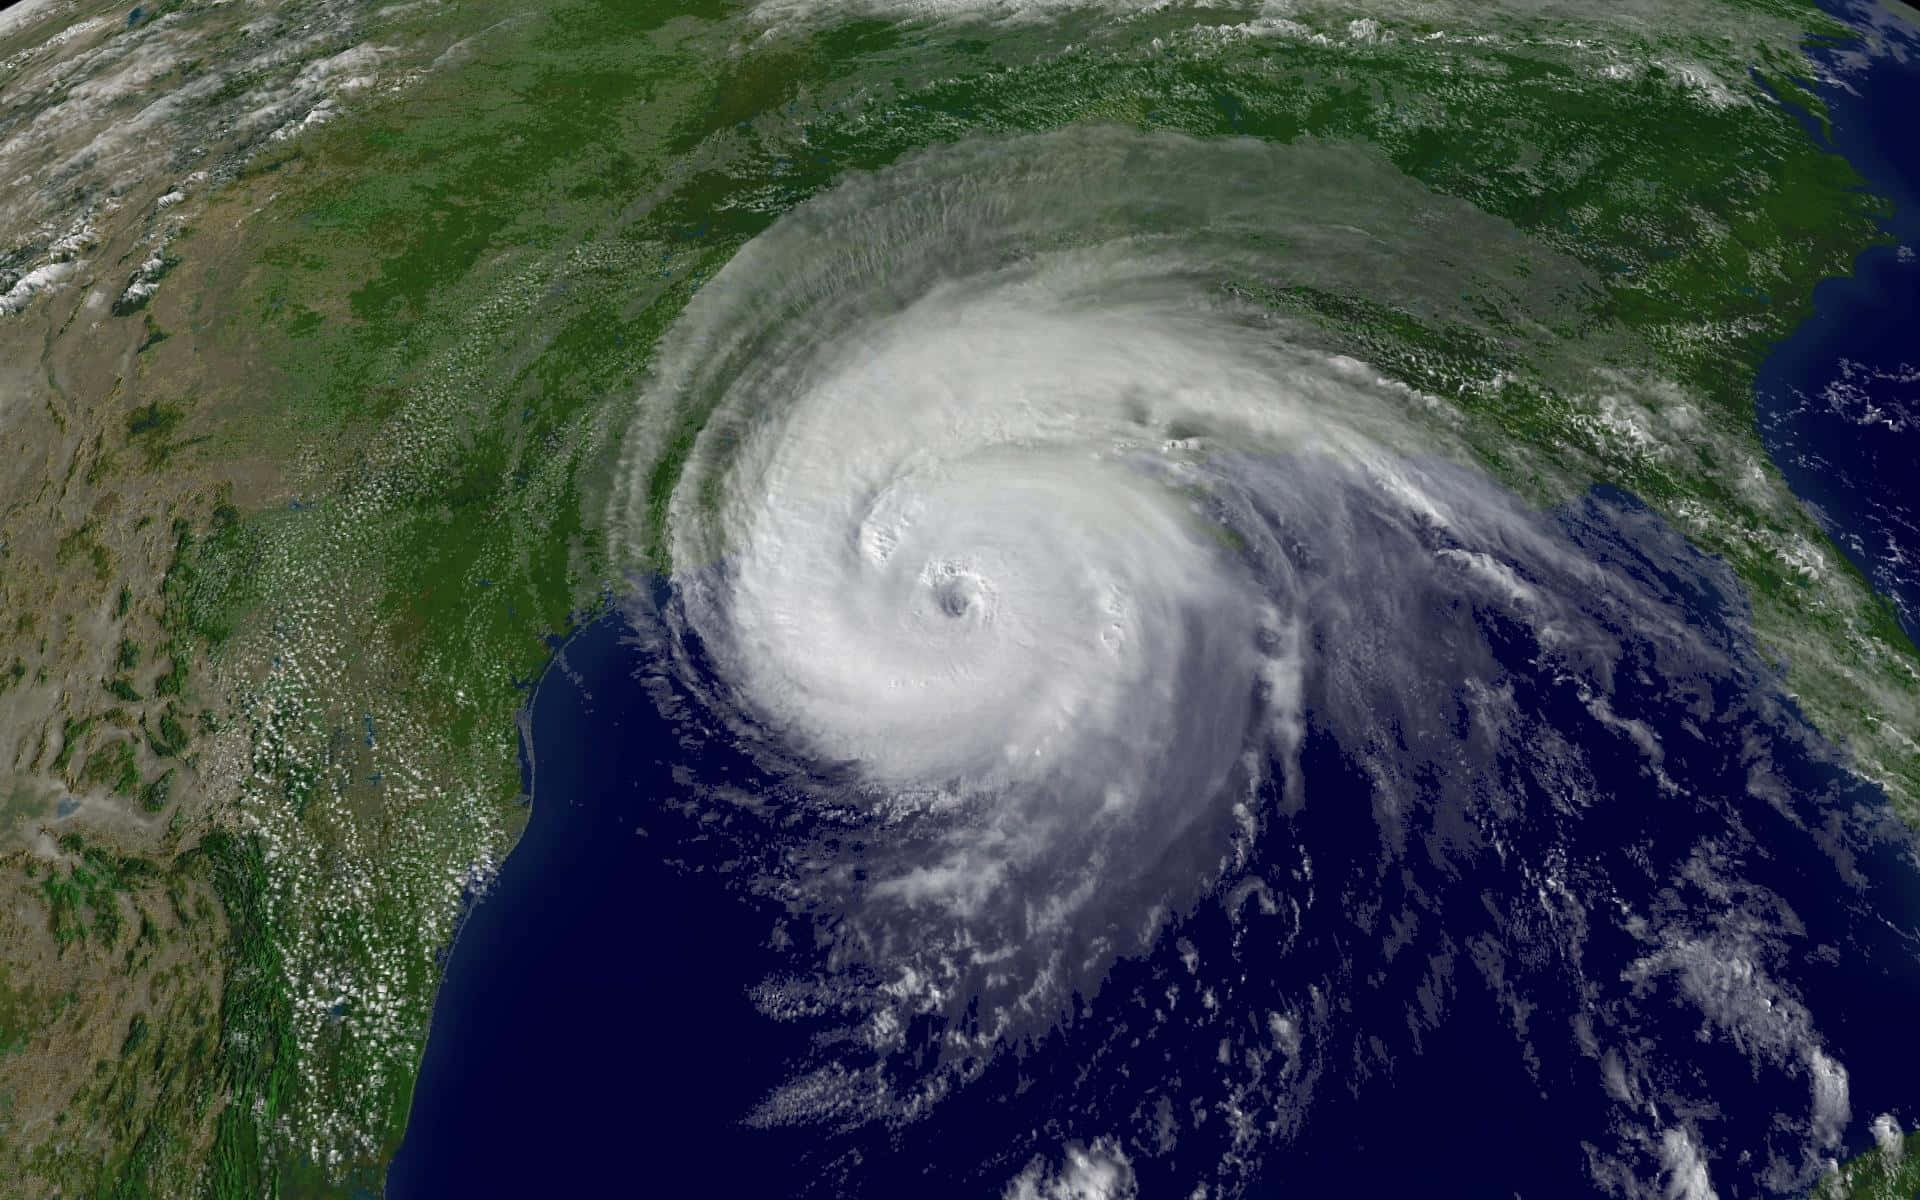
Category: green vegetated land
<point>1877,1175</point>
<point>153,1085</point>
<point>455,289</point>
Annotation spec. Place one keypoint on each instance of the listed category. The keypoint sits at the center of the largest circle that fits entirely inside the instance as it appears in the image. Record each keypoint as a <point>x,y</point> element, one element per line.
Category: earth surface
<point>1043,600</point>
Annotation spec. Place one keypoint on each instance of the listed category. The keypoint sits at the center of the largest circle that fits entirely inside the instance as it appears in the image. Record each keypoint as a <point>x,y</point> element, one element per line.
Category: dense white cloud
<point>1100,1171</point>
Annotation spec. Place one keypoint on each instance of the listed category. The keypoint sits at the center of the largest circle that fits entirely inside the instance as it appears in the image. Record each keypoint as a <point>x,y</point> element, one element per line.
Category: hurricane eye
<point>1054,594</point>
<point>955,600</point>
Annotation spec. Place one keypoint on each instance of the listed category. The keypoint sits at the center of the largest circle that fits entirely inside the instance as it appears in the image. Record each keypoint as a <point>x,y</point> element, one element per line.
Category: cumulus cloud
<point>1687,1177</point>
<point>1889,1138</point>
<point>1100,1171</point>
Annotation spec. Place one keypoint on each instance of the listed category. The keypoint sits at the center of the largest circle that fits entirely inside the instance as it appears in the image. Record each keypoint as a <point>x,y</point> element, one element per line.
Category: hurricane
<point>1056,575</point>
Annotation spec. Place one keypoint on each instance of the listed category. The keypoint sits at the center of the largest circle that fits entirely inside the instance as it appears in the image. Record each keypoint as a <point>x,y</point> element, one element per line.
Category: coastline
<point>1826,400</point>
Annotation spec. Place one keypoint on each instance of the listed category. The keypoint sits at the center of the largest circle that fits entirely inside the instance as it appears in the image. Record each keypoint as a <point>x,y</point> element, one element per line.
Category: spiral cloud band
<point>1024,535</point>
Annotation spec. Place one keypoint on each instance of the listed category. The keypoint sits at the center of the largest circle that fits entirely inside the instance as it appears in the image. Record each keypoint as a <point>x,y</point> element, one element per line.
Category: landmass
<point>316,414</point>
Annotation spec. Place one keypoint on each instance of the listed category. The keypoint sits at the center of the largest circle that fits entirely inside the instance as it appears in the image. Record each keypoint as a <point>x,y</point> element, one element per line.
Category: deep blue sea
<point>1839,401</point>
<point>595,1034</point>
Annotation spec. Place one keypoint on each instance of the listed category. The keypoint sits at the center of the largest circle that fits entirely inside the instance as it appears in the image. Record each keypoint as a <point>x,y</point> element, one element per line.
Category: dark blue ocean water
<point>1839,400</point>
<point>592,1035</point>
<point>595,1037</point>
<point>595,1033</point>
